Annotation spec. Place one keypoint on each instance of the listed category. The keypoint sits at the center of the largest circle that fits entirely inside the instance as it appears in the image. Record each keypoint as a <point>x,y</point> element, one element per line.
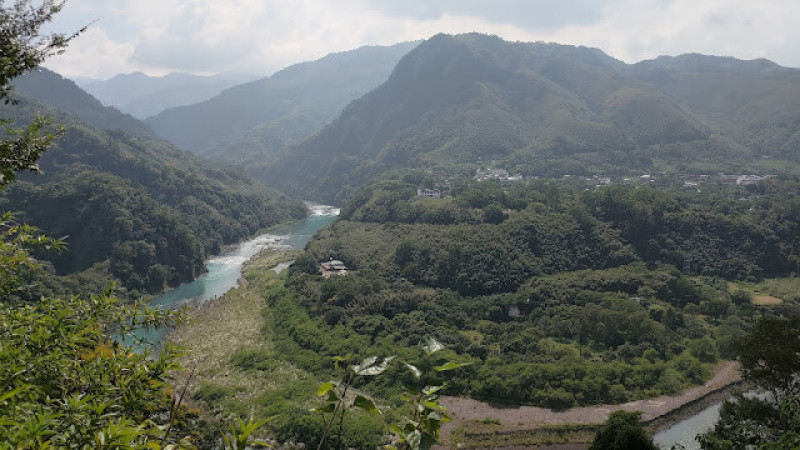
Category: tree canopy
<point>769,415</point>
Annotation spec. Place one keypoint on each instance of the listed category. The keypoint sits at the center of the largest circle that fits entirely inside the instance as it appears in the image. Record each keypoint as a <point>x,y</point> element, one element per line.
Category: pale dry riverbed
<point>218,327</point>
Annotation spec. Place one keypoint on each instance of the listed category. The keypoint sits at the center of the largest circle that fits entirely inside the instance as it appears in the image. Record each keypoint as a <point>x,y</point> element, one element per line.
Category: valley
<point>528,242</point>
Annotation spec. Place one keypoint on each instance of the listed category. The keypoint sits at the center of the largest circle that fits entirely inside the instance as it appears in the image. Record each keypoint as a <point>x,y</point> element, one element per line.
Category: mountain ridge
<point>135,208</point>
<point>304,96</point>
<point>457,103</point>
<point>143,96</point>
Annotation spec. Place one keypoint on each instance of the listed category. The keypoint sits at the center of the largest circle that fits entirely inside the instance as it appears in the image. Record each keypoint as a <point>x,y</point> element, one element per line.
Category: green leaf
<point>413,439</point>
<point>450,366</point>
<point>333,396</point>
<point>434,405</point>
<point>365,404</point>
<point>5,396</point>
<point>414,370</point>
<point>428,390</point>
<point>427,442</point>
<point>325,387</point>
<point>366,363</point>
<point>328,408</point>
<point>431,345</point>
<point>375,369</point>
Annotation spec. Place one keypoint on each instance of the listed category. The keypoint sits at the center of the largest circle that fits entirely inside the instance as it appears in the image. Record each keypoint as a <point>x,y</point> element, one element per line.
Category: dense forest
<point>133,207</point>
<point>557,295</point>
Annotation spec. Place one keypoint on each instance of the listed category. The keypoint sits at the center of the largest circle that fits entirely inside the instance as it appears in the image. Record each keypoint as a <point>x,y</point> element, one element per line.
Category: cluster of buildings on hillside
<point>693,181</point>
<point>689,181</point>
<point>599,181</point>
<point>497,175</point>
<point>429,193</point>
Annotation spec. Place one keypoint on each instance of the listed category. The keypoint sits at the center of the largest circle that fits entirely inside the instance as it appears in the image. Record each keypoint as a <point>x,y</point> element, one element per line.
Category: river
<point>683,432</point>
<point>224,271</point>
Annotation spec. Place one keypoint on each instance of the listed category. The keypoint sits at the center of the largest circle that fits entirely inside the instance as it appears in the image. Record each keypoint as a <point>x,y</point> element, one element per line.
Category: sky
<point>259,37</point>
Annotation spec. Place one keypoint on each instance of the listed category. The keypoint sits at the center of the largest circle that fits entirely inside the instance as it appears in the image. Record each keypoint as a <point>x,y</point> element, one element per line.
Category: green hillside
<point>148,213</point>
<point>251,121</point>
<point>754,103</point>
<point>458,103</point>
<point>54,90</point>
<point>558,296</point>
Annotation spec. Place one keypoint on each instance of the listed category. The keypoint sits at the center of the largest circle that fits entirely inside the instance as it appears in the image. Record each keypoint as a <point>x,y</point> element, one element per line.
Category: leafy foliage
<point>22,43</point>
<point>622,431</point>
<point>64,381</point>
<point>767,417</point>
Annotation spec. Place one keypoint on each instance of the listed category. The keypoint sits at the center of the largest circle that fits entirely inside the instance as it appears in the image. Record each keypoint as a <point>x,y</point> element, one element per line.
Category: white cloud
<point>261,36</point>
<point>633,30</point>
<point>93,54</point>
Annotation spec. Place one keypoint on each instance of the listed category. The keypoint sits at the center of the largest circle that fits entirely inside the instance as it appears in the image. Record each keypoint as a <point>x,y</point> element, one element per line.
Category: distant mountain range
<point>457,103</point>
<point>132,206</point>
<point>250,122</point>
<point>52,89</point>
<point>143,96</point>
<point>454,104</point>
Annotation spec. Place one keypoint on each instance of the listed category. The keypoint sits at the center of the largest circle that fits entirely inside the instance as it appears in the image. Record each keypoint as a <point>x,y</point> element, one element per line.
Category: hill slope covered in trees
<point>131,205</point>
<point>457,103</point>
<point>251,121</point>
<point>59,92</point>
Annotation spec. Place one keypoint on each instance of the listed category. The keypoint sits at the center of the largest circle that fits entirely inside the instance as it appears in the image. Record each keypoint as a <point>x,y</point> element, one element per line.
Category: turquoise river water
<point>224,271</point>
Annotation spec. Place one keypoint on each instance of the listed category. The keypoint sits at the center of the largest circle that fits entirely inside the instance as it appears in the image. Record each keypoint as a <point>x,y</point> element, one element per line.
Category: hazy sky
<point>262,36</point>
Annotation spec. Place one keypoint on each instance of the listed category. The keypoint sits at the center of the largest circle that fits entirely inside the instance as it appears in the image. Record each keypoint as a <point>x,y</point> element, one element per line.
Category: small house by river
<point>333,267</point>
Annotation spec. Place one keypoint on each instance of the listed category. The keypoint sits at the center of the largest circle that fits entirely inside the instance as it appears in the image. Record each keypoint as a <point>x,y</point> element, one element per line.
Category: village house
<point>333,267</point>
<point>429,193</point>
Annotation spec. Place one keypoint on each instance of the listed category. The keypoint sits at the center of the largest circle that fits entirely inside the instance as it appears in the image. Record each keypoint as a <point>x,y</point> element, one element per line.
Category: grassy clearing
<point>779,289</point>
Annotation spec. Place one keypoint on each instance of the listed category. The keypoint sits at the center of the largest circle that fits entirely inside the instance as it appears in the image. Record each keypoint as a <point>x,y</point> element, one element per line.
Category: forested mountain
<point>145,211</point>
<point>754,103</point>
<point>251,121</point>
<point>53,89</point>
<point>144,96</point>
<point>457,103</point>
